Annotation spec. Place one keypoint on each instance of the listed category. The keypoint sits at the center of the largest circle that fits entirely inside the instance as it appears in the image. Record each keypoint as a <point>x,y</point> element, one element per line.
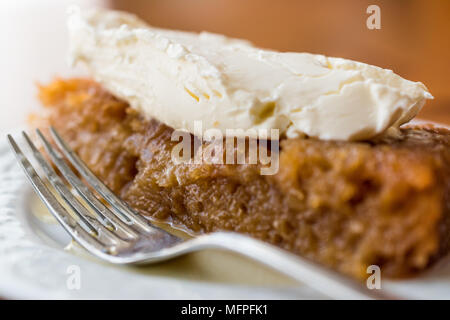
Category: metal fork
<point>118,234</point>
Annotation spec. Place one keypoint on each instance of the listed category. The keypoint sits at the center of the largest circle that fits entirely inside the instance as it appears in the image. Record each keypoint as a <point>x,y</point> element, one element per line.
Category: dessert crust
<point>346,205</point>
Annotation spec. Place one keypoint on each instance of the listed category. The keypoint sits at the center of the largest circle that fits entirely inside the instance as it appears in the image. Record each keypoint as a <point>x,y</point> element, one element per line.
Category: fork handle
<point>322,279</point>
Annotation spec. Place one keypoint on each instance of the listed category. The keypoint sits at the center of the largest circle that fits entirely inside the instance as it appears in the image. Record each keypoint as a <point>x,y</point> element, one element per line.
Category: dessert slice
<point>344,204</point>
<point>349,188</point>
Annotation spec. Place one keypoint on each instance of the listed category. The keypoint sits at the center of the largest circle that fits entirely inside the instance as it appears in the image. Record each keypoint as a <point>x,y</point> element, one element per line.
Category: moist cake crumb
<point>346,205</point>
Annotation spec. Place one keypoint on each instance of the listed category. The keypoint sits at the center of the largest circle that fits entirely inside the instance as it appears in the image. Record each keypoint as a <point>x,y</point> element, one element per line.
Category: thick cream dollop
<point>182,77</point>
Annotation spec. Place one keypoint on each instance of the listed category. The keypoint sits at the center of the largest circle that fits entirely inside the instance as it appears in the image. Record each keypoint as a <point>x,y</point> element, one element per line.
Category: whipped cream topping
<point>181,77</point>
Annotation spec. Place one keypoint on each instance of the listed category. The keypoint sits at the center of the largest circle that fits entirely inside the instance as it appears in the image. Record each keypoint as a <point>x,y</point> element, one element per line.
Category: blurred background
<point>414,39</point>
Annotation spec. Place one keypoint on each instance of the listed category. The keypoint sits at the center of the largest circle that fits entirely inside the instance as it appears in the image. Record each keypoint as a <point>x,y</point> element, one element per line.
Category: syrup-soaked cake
<point>346,205</point>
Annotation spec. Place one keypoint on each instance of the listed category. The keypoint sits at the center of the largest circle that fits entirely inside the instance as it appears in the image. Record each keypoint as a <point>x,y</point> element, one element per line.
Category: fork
<point>116,233</point>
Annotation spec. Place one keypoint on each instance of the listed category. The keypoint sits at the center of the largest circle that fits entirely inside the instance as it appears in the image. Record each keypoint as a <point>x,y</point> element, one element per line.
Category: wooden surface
<point>414,39</point>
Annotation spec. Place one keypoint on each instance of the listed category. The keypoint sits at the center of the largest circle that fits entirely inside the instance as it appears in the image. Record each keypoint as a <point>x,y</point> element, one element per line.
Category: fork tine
<point>102,233</point>
<point>119,206</point>
<point>77,232</point>
<point>108,217</point>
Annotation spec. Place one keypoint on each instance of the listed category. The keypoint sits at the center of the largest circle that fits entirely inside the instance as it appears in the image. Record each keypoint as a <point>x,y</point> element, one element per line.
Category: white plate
<point>35,265</point>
